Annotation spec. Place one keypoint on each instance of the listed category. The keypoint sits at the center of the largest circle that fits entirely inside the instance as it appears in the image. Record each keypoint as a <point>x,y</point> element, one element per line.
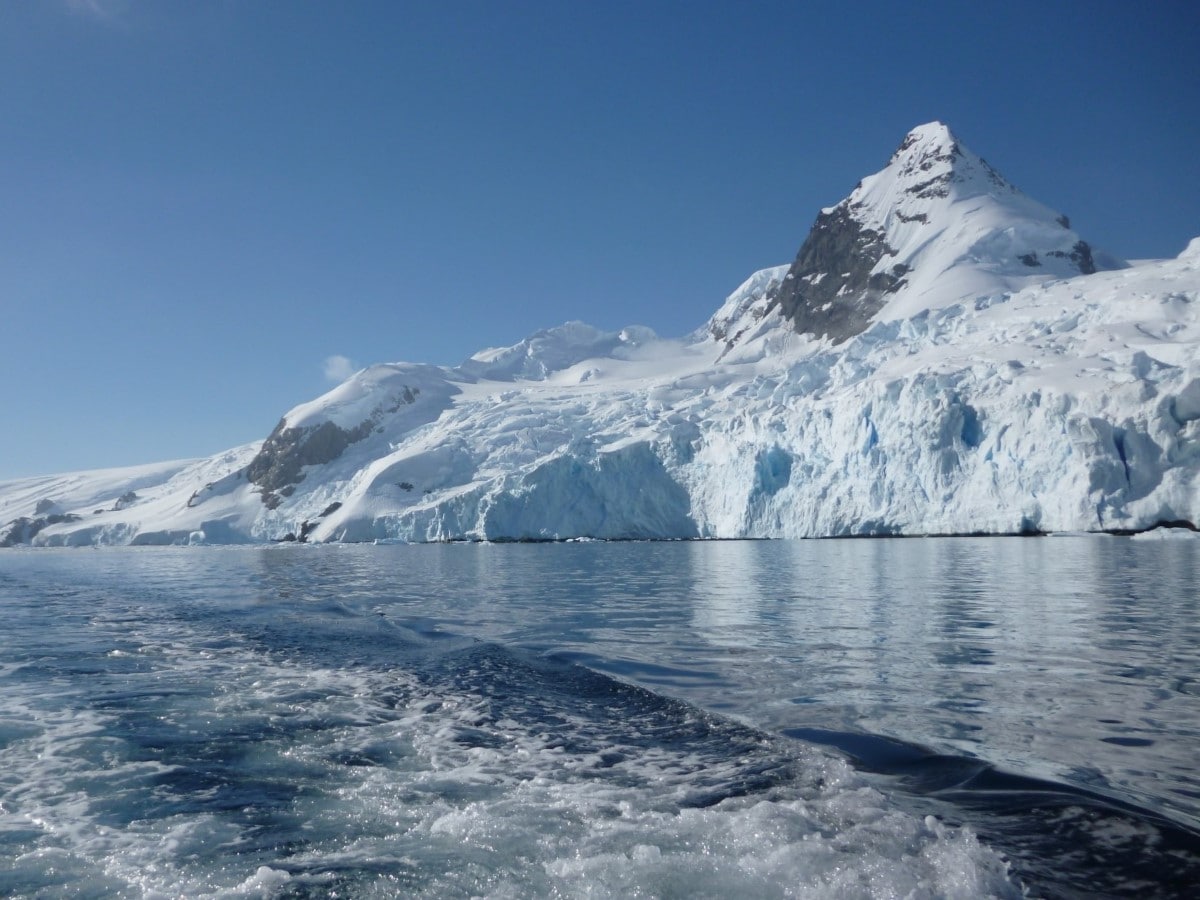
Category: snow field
<point>996,391</point>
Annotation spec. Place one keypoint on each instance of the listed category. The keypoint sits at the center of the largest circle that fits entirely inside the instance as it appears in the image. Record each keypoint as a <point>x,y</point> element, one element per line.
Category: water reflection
<point>1067,657</point>
<point>730,592</point>
<point>1072,658</point>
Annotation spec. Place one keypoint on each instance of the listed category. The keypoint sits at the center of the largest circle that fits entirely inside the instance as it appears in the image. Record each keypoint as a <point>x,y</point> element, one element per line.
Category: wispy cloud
<point>338,368</point>
<point>98,9</point>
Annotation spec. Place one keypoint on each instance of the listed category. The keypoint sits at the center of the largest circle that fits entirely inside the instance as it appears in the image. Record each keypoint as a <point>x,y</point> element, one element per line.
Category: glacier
<point>944,356</point>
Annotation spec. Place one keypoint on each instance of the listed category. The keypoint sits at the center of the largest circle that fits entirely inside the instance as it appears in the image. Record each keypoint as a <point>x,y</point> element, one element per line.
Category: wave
<point>1062,840</point>
<point>267,752</point>
<point>304,746</point>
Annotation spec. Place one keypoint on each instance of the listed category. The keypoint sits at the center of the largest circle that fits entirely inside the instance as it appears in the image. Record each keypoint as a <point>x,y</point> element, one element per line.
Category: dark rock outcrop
<point>279,465</point>
<point>24,529</point>
<point>847,268</point>
<point>1080,255</point>
<point>830,289</point>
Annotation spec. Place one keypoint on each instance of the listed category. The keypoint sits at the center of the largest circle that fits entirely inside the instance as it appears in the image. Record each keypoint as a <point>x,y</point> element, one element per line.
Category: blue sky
<point>201,203</point>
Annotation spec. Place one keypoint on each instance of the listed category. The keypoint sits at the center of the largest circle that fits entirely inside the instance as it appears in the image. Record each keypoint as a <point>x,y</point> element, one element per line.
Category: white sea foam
<point>257,774</point>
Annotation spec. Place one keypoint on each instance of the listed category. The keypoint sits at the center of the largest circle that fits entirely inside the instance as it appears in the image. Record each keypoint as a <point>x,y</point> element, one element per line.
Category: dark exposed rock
<point>938,186</point>
<point>24,529</point>
<point>1080,255</point>
<point>1160,525</point>
<point>944,156</point>
<point>126,500</point>
<point>830,289</point>
<point>841,278</point>
<point>18,531</point>
<point>279,465</point>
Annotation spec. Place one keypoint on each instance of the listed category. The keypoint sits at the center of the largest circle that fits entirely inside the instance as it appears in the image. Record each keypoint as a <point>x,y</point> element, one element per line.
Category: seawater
<point>910,718</point>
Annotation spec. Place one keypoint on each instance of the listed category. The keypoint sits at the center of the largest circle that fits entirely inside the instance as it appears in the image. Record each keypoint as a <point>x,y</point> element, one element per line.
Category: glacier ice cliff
<point>944,356</point>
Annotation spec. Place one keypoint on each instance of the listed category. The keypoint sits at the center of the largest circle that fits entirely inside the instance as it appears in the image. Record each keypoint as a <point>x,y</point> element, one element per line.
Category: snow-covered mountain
<point>945,355</point>
<point>936,225</point>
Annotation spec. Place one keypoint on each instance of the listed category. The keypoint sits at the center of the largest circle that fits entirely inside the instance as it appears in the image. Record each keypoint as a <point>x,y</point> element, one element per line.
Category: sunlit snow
<point>988,395</point>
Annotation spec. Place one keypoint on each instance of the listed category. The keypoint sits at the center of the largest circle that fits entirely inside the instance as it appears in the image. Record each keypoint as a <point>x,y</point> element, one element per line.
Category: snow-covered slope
<point>937,224</point>
<point>1009,379</point>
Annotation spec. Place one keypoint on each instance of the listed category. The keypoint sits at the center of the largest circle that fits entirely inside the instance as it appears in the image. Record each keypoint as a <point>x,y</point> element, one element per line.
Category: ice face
<point>967,365</point>
<point>1068,406</point>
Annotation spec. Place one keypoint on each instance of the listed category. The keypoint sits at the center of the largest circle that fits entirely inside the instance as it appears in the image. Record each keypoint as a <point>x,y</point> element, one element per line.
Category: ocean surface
<point>860,718</point>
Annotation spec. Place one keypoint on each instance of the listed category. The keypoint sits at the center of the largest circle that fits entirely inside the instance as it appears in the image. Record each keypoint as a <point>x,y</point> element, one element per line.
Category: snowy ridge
<point>936,225</point>
<point>984,393</point>
<point>554,350</point>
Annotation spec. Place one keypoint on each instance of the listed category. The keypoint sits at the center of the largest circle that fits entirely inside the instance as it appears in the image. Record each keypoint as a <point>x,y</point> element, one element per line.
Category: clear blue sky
<point>201,202</point>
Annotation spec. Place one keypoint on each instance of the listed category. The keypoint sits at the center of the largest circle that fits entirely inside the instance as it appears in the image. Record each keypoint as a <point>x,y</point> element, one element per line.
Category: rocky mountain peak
<point>930,170</point>
<point>931,160</point>
<point>925,148</point>
<point>935,213</point>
